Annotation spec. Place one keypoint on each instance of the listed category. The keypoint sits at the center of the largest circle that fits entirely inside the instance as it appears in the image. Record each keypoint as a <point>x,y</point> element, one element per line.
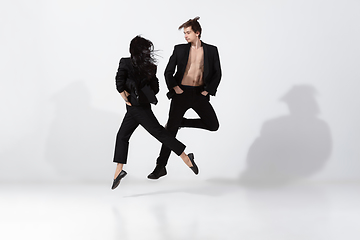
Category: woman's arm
<point>120,80</point>
<point>121,76</point>
<point>124,94</point>
<point>154,83</point>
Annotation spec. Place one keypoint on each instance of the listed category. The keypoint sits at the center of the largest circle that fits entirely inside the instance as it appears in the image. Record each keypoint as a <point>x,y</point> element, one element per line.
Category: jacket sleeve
<point>154,83</point>
<point>170,70</point>
<point>214,82</point>
<point>121,76</point>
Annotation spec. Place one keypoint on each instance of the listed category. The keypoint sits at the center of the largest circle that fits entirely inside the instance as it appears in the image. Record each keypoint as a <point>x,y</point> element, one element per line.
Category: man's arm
<point>214,82</point>
<point>170,70</point>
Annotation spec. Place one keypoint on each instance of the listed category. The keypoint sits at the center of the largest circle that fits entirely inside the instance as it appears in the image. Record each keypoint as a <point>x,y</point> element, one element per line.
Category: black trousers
<point>180,103</point>
<point>142,115</point>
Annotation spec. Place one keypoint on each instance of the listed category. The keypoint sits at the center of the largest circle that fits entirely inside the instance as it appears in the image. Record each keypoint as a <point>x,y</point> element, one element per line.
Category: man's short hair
<point>194,24</point>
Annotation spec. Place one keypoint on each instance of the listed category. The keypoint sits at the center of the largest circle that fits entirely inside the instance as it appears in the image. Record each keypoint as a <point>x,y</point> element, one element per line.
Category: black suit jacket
<point>139,88</point>
<point>179,59</point>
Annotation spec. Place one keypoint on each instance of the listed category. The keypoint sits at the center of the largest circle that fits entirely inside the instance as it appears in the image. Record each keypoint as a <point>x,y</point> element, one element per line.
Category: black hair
<point>142,56</point>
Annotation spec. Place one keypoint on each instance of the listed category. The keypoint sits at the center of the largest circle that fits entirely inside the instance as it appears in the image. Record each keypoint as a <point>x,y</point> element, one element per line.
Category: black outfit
<point>142,90</point>
<point>191,97</point>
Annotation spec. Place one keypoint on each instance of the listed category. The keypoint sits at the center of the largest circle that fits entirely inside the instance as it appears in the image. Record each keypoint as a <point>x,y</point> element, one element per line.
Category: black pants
<point>180,103</point>
<point>142,115</point>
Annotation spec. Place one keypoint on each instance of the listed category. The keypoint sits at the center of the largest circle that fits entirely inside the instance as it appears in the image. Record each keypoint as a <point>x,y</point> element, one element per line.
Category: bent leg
<point>208,119</point>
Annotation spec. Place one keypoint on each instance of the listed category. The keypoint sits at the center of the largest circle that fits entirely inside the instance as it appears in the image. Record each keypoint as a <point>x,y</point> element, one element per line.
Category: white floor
<point>163,210</point>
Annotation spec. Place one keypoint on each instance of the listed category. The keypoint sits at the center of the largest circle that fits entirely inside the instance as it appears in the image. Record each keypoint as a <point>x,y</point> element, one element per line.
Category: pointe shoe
<point>194,167</point>
<point>158,172</point>
<point>118,178</point>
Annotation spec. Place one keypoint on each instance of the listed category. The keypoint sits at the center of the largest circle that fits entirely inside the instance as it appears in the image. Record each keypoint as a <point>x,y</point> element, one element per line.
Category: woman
<point>137,84</point>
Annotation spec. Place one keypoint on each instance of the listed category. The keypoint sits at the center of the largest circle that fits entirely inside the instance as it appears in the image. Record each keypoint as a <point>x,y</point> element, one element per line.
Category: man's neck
<point>196,44</point>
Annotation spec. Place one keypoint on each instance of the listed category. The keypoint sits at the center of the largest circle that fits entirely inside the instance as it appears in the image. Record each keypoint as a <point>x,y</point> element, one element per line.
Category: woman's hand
<point>124,94</point>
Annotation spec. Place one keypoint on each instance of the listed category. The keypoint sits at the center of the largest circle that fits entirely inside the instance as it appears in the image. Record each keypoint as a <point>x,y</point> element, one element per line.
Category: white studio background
<point>288,102</point>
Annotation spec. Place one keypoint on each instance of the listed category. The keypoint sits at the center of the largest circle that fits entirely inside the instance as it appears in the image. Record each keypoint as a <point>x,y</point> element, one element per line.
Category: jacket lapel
<point>206,60</point>
<point>185,57</point>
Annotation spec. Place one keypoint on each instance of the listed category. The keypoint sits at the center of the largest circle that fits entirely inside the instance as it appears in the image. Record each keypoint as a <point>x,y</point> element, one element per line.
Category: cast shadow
<point>290,147</point>
<point>212,190</point>
<point>81,138</point>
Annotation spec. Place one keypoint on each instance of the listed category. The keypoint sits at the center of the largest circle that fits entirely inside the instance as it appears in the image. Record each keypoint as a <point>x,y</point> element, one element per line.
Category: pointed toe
<point>194,167</point>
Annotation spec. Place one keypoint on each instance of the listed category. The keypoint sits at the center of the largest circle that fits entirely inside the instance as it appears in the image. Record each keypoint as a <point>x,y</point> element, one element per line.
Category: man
<point>197,76</point>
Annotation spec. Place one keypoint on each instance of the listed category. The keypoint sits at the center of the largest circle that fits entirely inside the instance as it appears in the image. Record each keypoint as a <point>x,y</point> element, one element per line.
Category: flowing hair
<point>143,57</point>
<point>194,24</point>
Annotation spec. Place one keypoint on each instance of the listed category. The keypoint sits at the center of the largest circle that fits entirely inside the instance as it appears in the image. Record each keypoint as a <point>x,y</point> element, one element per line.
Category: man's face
<point>190,35</point>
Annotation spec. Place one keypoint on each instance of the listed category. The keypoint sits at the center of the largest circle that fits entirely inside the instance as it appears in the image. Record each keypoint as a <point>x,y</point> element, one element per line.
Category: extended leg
<point>146,118</point>
<point>127,128</point>
<point>178,107</point>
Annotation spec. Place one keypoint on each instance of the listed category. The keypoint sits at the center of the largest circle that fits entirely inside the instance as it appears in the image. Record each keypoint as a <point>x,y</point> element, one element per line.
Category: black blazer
<point>142,90</point>
<point>179,59</point>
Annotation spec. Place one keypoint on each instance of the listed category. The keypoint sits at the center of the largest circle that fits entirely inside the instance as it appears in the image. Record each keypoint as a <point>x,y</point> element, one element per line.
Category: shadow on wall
<point>81,138</point>
<point>290,147</point>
